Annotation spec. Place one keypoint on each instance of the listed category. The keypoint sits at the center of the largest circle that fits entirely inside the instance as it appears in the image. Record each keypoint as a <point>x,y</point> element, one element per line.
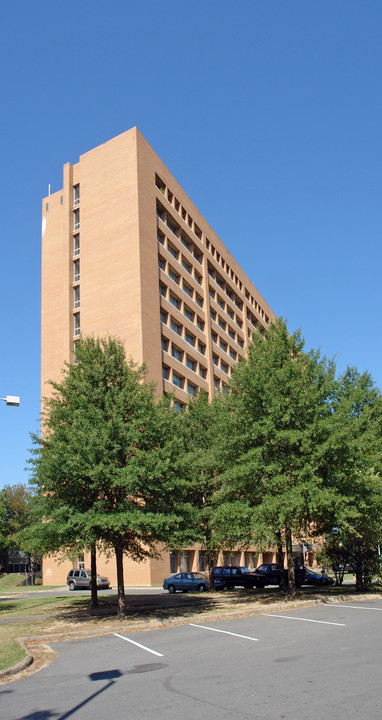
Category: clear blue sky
<point>269,113</point>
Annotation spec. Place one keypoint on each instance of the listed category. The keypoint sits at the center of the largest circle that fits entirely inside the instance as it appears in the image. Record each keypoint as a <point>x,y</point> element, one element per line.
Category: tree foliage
<point>106,466</point>
<point>276,429</point>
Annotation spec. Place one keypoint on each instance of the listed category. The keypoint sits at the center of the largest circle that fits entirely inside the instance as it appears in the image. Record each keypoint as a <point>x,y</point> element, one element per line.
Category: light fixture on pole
<point>12,400</point>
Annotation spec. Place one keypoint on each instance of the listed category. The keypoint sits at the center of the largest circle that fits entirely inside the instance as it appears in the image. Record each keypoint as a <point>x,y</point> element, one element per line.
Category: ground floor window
<point>202,561</point>
<point>184,561</point>
<point>172,561</point>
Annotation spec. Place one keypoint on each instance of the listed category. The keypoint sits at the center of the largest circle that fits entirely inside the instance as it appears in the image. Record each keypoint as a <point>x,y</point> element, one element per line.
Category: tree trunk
<point>120,581</point>
<point>289,552</point>
<point>283,580</point>
<point>359,568</point>
<point>210,560</point>
<point>93,567</point>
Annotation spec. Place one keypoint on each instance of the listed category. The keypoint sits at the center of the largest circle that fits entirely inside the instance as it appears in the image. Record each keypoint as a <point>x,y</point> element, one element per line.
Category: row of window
<point>179,257</point>
<point>225,287</point>
<point>179,381</point>
<point>166,192</point>
<point>175,277</point>
<point>180,305</point>
<point>175,228</point>
<point>180,330</point>
<point>224,265</point>
<point>183,357</point>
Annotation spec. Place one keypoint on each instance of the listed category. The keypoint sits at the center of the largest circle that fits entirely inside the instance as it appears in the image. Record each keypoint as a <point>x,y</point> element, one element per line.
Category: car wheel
<point>201,588</point>
<point>72,585</point>
<point>171,589</point>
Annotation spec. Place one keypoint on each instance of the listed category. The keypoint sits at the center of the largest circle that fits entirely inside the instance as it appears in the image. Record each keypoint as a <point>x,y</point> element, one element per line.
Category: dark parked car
<point>312,578</point>
<point>186,581</point>
<point>82,579</point>
<point>270,574</point>
<point>231,576</point>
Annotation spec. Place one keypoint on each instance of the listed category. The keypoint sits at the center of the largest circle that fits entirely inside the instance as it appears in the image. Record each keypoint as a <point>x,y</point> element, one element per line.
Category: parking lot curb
<point>20,666</point>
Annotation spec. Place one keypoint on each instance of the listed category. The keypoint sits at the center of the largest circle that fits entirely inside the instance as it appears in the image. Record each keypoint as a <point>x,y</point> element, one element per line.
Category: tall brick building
<point>126,253</point>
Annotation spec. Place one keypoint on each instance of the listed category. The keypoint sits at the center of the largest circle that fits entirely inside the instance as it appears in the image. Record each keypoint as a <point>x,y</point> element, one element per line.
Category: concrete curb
<point>20,666</point>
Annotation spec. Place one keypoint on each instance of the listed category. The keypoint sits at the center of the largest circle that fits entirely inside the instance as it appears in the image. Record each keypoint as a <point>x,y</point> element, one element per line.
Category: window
<point>187,289</point>
<point>76,195</point>
<point>76,244</point>
<point>77,328</point>
<point>172,225</point>
<point>212,292</point>
<point>233,354</point>
<point>176,353</point>
<point>161,263</point>
<point>202,372</point>
<point>162,290</point>
<point>76,219</point>
<point>191,363</point>
<point>176,327</point>
<point>188,313</point>
<point>224,367</point>
<point>239,322</point>
<point>76,271</point>
<point>178,406</point>
<point>215,360</point>
<point>200,324</point>
<point>174,301</point>
<point>186,242</point>
<point>199,300</point>
<point>177,380</point>
<point>220,302</point>
<point>173,275</point>
<point>222,324</point>
<point>184,561</point>
<point>240,342</point>
<point>202,561</point>
<point>160,238</point>
<point>223,345</point>
<point>189,338</point>
<point>163,316</point>
<point>198,278</point>
<point>216,383</point>
<point>191,389</point>
<point>213,315</point>
<point>201,348</point>
<point>172,251</point>
<point>76,298</point>
<point>165,372</point>
<point>164,344</point>
<point>172,553</point>
<point>231,333</point>
<point>214,337</point>
<point>186,265</point>
<point>230,313</point>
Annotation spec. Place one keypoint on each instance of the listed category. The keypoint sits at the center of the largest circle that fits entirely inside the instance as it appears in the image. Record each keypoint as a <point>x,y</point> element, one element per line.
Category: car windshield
<point>199,576</point>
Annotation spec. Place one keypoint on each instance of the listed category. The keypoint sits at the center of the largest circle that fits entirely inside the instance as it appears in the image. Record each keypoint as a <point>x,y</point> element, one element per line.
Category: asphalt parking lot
<point>317,662</point>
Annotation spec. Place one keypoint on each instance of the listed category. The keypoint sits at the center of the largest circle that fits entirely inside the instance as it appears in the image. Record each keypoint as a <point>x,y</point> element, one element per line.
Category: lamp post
<point>12,400</point>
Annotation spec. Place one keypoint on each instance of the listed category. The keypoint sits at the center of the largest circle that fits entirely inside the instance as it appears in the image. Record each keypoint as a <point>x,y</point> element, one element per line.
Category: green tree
<point>274,446</point>
<point>16,512</point>
<point>106,467</point>
<point>200,428</point>
<point>355,451</point>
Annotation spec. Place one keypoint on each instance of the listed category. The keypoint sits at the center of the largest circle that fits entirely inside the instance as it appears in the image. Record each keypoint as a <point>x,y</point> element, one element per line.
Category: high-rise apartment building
<point>126,253</point>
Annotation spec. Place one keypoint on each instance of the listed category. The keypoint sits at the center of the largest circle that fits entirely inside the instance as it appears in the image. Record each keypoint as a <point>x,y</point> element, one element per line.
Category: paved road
<point>320,662</point>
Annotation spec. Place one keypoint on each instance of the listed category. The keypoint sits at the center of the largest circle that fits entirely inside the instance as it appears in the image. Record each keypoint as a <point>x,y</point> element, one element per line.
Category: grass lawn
<point>8,585</point>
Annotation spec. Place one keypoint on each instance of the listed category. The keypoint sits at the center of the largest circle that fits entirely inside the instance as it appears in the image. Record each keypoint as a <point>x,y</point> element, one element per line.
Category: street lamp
<point>12,400</point>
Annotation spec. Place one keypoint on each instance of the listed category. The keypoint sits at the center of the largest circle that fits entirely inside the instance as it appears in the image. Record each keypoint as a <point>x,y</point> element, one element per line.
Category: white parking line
<point>143,647</point>
<point>225,632</point>
<point>289,617</point>
<point>357,607</point>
